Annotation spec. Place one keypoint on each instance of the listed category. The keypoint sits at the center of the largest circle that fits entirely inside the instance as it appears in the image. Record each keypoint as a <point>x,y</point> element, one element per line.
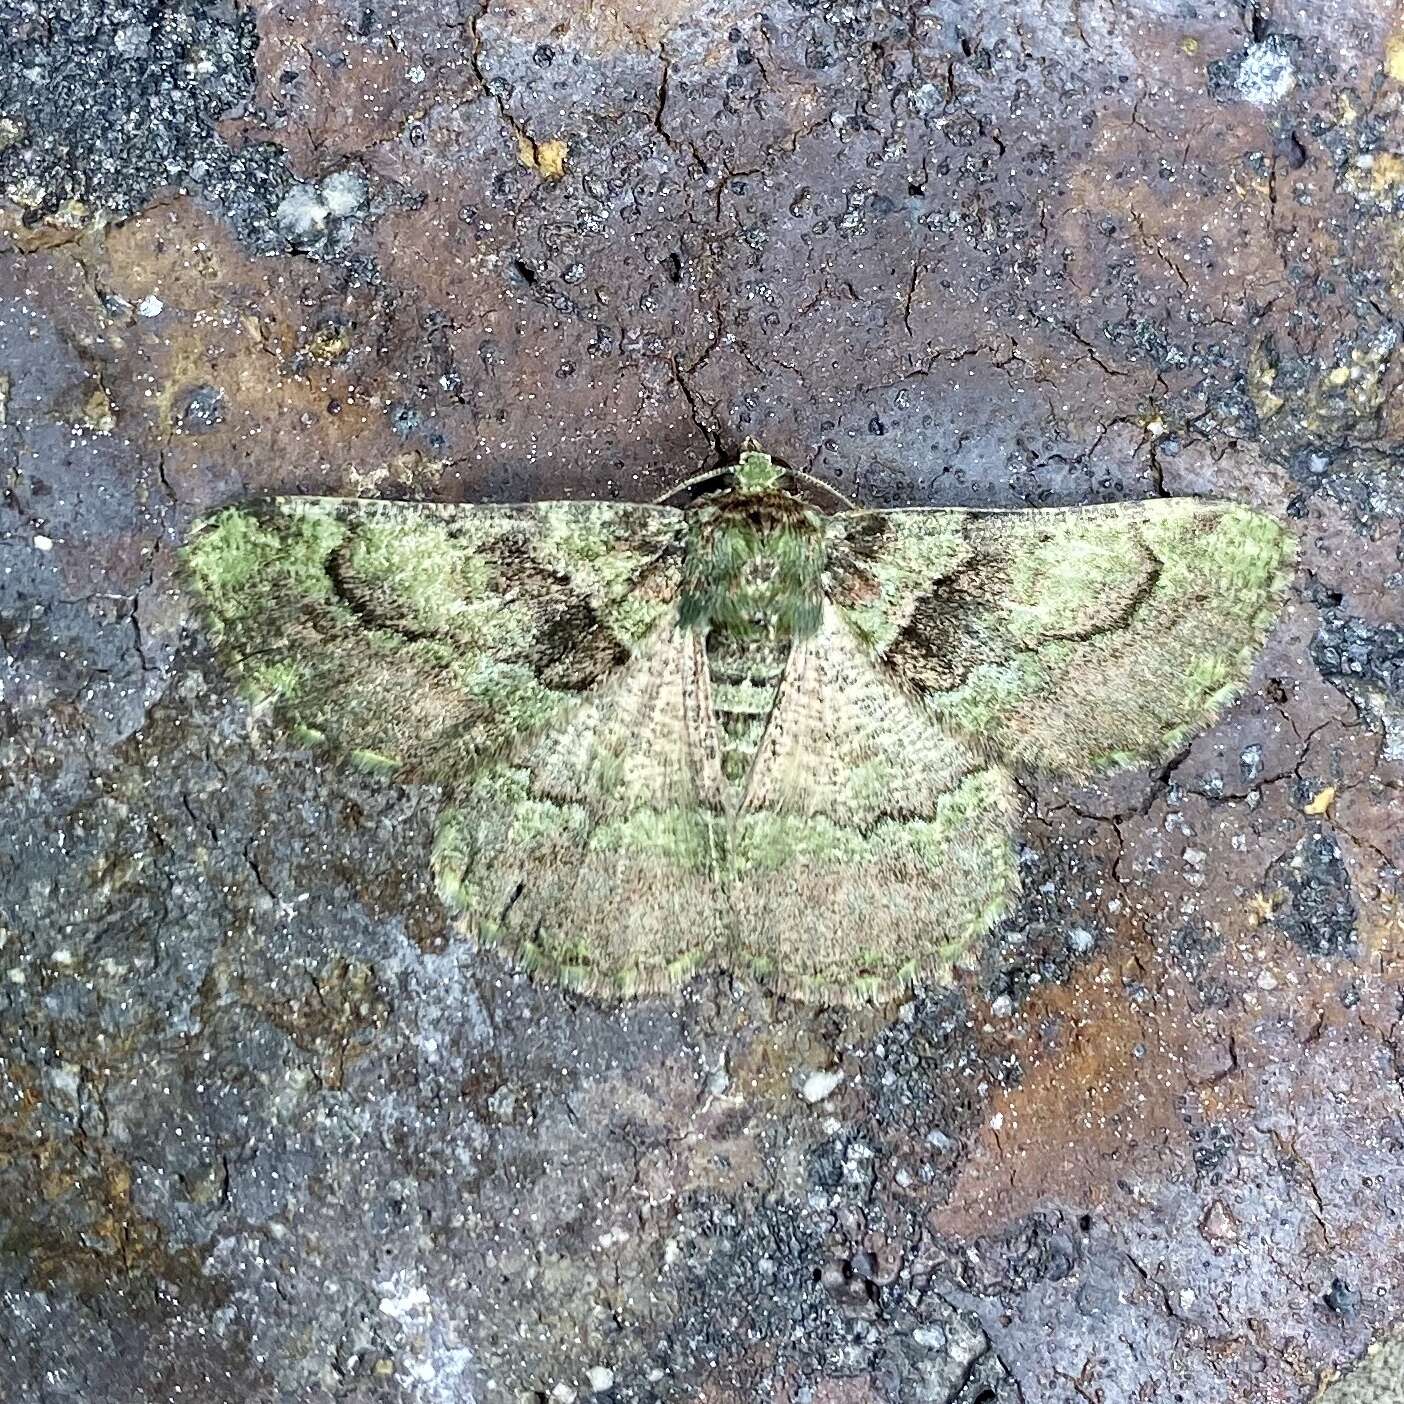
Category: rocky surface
<point>267,1131</point>
<point>1378,1379</point>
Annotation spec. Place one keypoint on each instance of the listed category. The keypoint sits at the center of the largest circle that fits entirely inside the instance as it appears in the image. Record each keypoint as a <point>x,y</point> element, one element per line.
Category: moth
<point>745,732</point>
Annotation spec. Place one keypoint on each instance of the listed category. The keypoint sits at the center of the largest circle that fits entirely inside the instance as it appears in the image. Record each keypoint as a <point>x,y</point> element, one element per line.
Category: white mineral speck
<point>928,98</point>
<point>43,543</point>
<point>64,1079</point>
<point>1266,75</point>
<point>1002,1007</point>
<point>150,306</point>
<point>301,211</point>
<point>133,40</point>
<point>344,192</point>
<point>601,1378</point>
<point>819,1085</point>
<point>405,1306</point>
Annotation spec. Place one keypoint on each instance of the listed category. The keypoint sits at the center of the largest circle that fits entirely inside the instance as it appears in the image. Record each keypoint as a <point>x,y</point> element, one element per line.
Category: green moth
<point>746,732</point>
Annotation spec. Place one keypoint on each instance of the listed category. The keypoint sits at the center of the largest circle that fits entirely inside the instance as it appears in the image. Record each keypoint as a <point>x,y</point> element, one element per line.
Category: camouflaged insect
<point>744,733</point>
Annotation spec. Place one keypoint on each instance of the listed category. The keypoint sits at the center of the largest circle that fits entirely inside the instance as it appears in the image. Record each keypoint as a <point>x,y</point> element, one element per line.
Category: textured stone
<point>268,1130</point>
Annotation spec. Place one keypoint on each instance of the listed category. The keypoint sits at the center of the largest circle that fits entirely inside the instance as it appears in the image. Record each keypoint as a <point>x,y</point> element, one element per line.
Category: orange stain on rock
<point>1098,1098</point>
<point>1114,1081</point>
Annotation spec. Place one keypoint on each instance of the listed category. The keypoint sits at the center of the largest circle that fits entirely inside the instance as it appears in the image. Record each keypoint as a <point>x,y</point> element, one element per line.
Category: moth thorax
<point>752,584</point>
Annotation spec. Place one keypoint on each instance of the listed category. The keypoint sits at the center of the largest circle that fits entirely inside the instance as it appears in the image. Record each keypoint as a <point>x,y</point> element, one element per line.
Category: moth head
<point>756,472</point>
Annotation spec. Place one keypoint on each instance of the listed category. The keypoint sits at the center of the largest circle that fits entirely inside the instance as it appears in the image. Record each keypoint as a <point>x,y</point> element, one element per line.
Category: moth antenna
<point>687,483</point>
<point>822,486</point>
<point>798,473</point>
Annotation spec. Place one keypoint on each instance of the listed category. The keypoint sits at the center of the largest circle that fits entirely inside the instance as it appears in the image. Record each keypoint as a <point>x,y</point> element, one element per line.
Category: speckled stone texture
<point>1378,1379</point>
<point>268,1131</point>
